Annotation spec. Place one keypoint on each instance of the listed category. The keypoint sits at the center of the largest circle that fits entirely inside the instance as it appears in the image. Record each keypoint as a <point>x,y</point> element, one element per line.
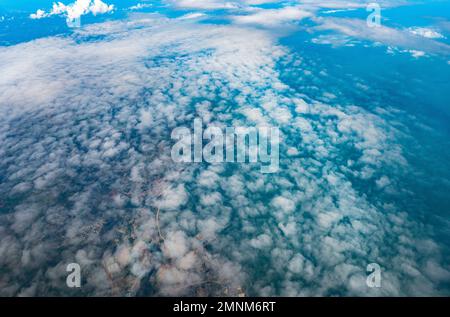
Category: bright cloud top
<point>75,10</point>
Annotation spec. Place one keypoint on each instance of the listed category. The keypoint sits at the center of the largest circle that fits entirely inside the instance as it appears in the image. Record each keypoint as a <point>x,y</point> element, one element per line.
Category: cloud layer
<point>86,173</point>
<point>74,10</point>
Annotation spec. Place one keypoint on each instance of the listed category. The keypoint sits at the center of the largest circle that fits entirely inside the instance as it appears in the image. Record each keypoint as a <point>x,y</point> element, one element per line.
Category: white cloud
<point>85,147</point>
<point>75,10</point>
<point>194,15</point>
<point>283,203</point>
<point>347,4</point>
<point>426,32</point>
<point>272,17</point>
<point>203,4</point>
<point>173,198</point>
<point>417,54</point>
<point>140,6</point>
<point>387,35</point>
<point>261,242</point>
<point>38,15</point>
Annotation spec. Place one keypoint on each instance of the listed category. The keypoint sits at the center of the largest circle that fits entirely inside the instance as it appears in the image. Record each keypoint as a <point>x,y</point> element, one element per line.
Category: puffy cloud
<point>283,203</point>
<point>203,4</point>
<point>75,10</point>
<point>194,15</point>
<point>261,242</point>
<point>387,35</point>
<point>85,149</point>
<point>416,54</point>
<point>272,17</point>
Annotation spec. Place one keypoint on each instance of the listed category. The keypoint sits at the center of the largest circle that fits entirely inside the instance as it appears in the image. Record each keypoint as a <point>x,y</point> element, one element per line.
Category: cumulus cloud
<point>75,10</point>
<point>39,14</point>
<point>203,4</point>
<point>272,17</point>
<point>347,4</point>
<point>140,6</point>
